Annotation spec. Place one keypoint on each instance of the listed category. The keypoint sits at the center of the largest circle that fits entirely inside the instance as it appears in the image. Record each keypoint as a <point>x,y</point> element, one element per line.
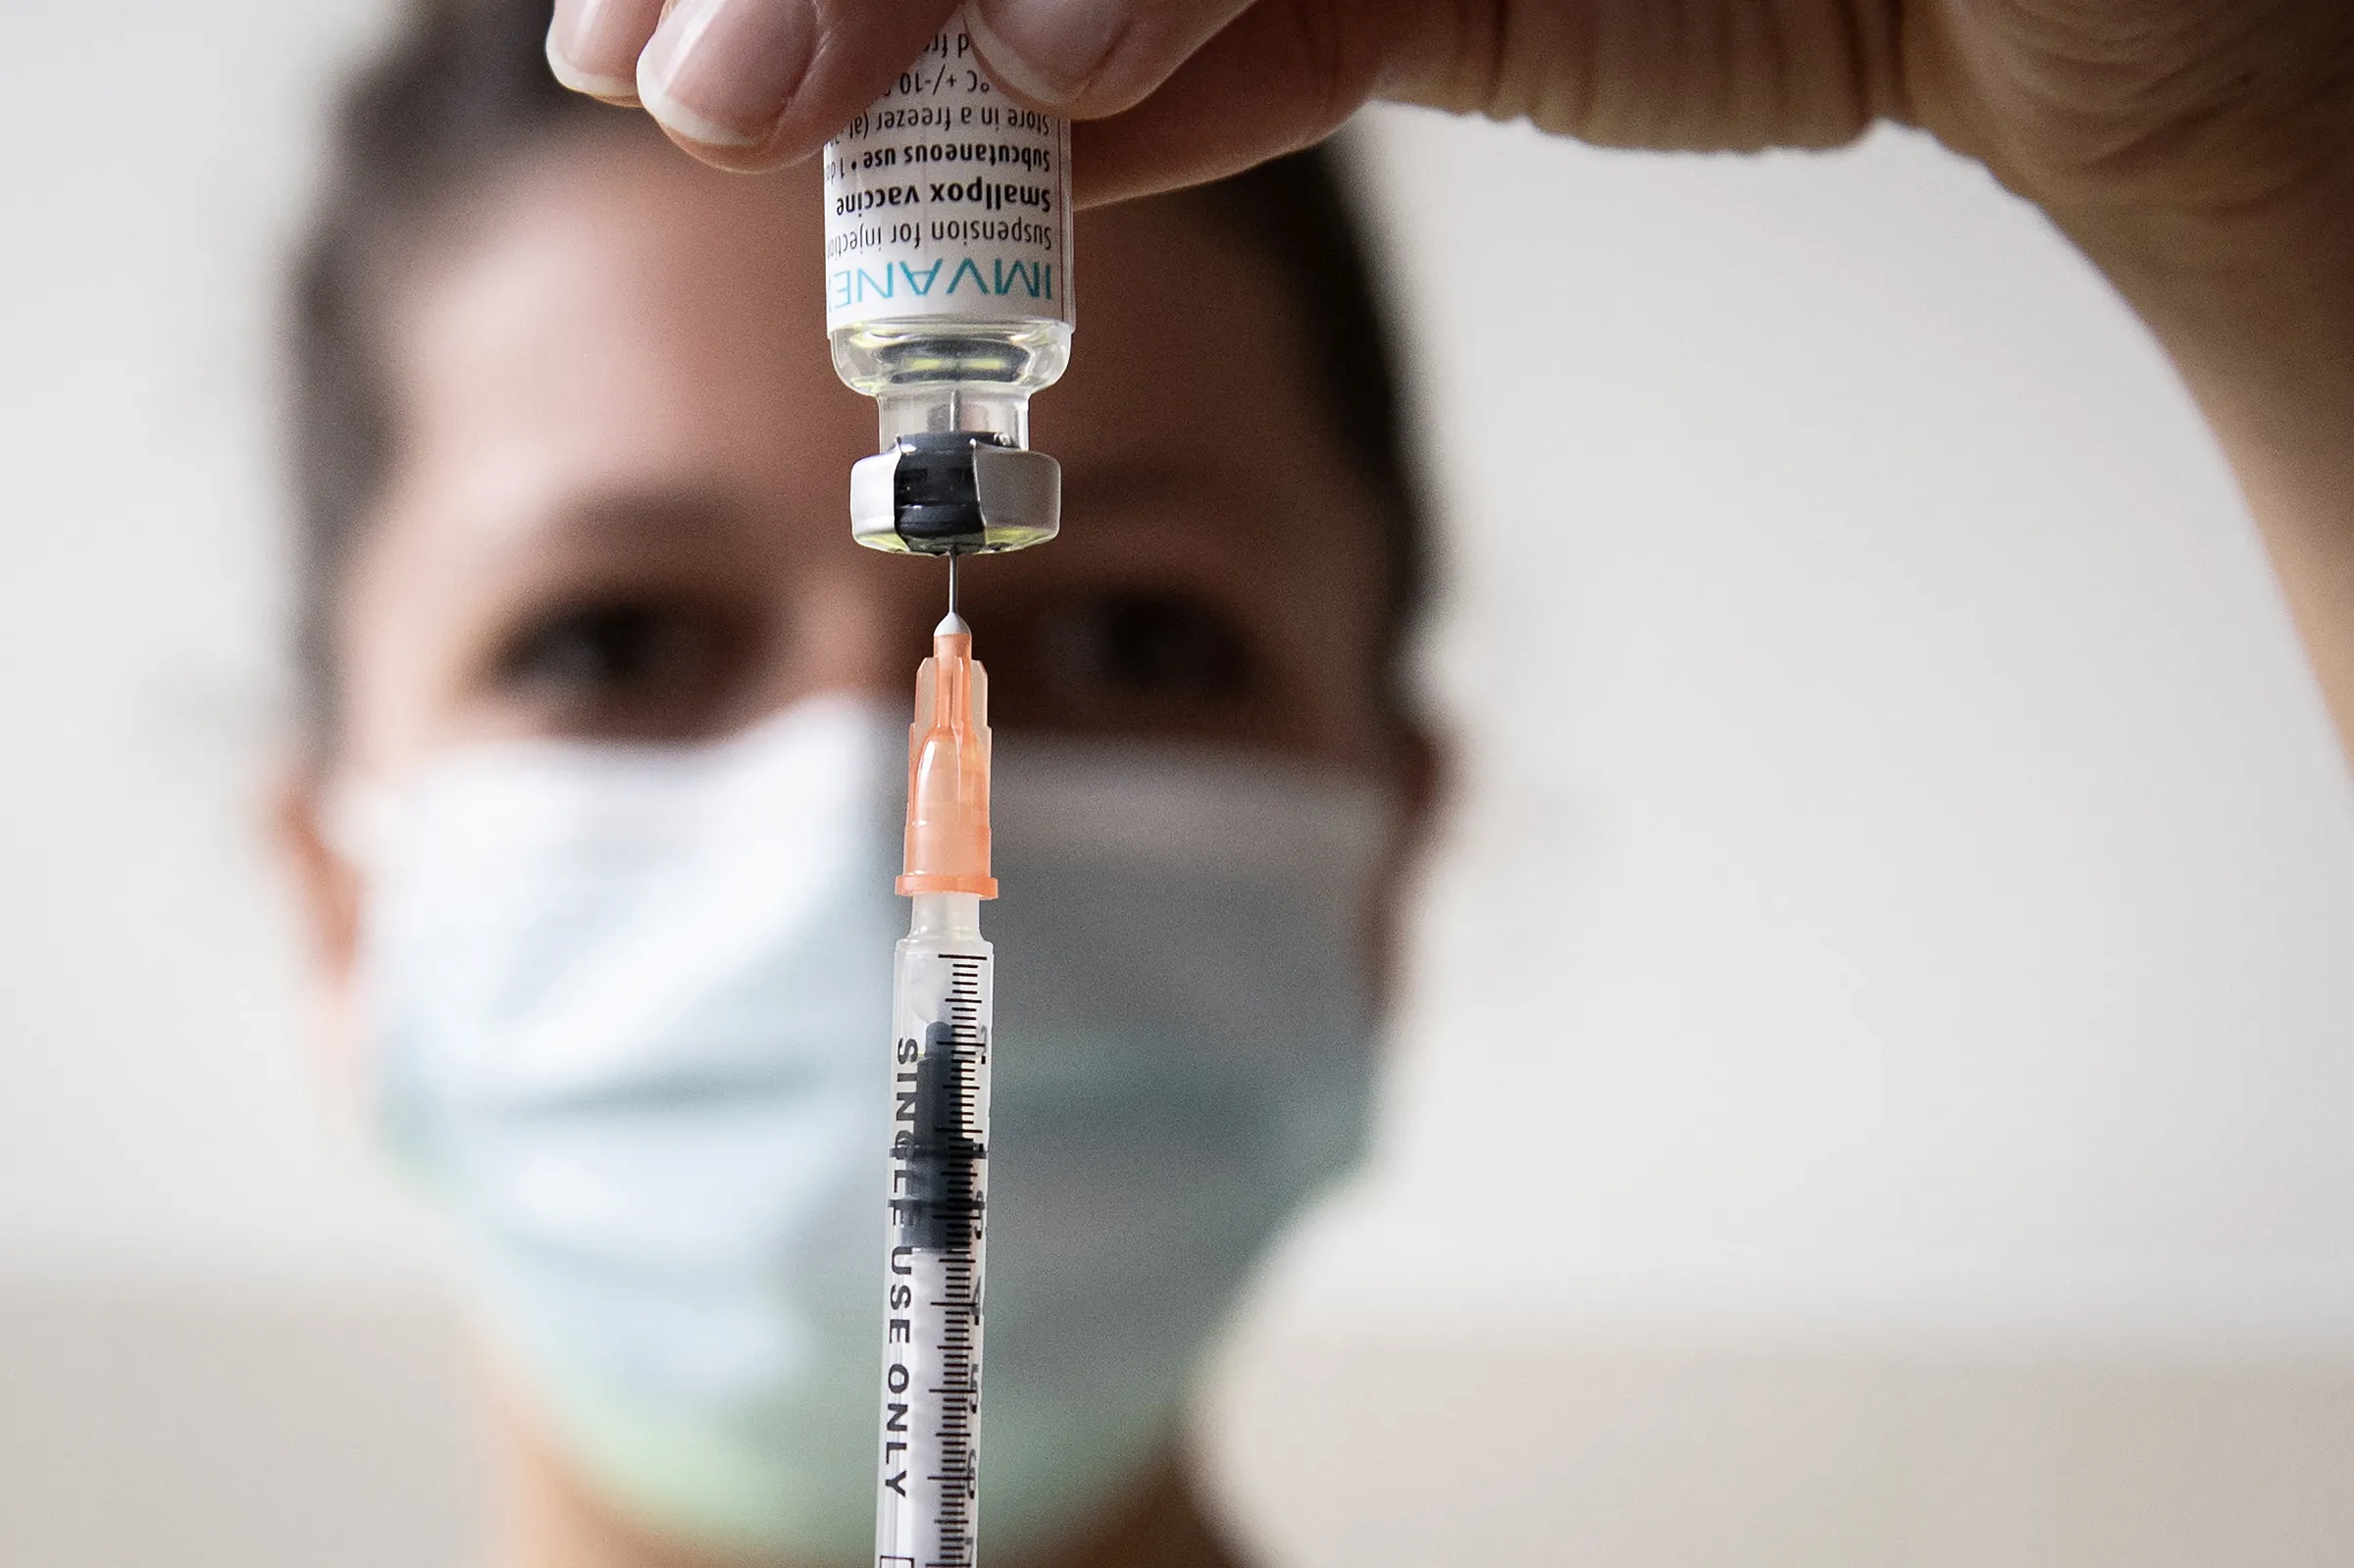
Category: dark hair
<point>466,86</point>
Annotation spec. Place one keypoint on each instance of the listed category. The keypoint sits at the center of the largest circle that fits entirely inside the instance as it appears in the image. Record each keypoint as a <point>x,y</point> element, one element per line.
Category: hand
<point>2073,102</point>
<point>2200,151</point>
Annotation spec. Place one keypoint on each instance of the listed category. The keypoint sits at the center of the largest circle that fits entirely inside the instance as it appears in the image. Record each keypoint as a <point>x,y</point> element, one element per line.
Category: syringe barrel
<point>928,1481</point>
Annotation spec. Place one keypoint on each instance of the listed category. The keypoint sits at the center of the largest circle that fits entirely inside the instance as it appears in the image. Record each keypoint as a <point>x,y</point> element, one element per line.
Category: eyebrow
<point>1112,487</point>
<point>686,517</point>
<point>632,514</point>
<point>650,523</point>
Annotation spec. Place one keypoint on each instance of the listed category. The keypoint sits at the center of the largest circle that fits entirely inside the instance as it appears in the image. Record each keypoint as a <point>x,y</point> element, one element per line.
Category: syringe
<point>929,1479</point>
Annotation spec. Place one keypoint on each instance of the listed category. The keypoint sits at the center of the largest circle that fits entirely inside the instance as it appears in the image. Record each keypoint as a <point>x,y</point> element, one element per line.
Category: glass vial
<point>948,268</point>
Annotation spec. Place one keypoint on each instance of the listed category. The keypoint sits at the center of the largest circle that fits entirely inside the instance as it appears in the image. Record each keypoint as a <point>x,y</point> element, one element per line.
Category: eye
<point>627,665</point>
<point>1150,644</point>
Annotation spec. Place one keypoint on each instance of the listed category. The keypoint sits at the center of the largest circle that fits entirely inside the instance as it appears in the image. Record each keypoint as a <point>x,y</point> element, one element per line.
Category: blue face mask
<point>629,1014</point>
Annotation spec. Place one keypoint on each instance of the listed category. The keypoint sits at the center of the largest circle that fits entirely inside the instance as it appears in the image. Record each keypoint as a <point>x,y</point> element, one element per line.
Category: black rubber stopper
<point>936,500</point>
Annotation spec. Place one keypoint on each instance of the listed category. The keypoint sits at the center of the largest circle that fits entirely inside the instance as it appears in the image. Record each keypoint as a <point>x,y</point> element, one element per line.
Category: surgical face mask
<point>629,1017</point>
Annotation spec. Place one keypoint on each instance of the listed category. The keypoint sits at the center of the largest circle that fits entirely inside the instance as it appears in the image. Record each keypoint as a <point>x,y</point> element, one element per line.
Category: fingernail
<point>1046,50</point>
<point>719,71</point>
<point>592,46</point>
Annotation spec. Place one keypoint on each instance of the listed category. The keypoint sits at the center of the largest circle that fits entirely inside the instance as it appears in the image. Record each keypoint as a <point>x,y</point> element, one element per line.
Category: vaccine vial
<point>948,302</point>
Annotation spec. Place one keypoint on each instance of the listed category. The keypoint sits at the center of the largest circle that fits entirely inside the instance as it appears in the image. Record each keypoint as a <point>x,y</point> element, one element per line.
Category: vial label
<point>948,200</point>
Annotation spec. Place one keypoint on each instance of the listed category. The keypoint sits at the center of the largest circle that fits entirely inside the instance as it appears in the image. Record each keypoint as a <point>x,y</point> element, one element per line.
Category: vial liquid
<point>948,301</point>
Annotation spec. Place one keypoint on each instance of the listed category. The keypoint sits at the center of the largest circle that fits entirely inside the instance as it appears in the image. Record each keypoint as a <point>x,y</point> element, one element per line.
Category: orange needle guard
<point>948,770</point>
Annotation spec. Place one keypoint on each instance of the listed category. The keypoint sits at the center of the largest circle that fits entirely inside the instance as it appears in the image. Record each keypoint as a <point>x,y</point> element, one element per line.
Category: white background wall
<point>1876,1079</point>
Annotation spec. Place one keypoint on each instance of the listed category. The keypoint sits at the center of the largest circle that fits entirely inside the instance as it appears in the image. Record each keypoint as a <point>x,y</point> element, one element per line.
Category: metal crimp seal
<point>957,492</point>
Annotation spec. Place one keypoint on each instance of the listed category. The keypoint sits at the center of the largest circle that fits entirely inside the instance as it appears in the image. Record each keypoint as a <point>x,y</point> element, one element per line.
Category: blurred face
<point>619,505</point>
<point>617,513</point>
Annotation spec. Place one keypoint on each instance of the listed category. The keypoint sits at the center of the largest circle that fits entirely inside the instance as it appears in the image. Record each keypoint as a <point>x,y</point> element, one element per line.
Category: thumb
<point>1088,57</point>
<point>1284,75</point>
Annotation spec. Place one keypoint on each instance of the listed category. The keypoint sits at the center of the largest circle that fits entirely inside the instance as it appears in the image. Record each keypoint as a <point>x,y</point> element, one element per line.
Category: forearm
<point>2257,311</point>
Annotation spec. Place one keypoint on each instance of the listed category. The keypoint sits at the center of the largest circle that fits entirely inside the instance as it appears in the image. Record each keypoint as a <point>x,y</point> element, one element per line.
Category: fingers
<point>756,83</point>
<point>1285,74</point>
<point>742,83</point>
<point>1088,57</point>
<point>592,46</point>
<point>718,74</point>
<point>1193,88</point>
<point>752,83</point>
